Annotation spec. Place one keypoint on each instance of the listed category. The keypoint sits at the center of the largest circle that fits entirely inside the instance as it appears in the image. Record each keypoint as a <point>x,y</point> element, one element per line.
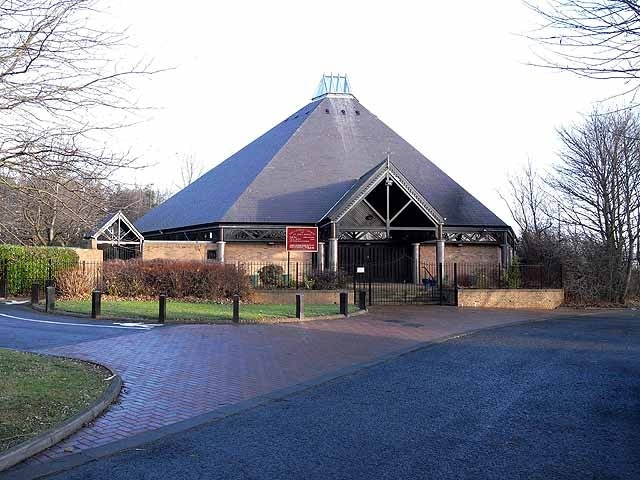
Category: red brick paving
<point>178,372</point>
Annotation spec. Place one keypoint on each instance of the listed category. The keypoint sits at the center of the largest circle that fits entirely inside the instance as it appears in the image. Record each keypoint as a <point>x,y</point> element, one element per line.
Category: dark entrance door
<point>386,261</point>
<point>385,272</point>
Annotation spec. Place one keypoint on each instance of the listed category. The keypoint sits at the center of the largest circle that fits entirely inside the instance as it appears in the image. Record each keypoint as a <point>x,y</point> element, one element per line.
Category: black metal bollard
<point>162,310</point>
<point>50,299</point>
<point>96,303</point>
<point>35,293</point>
<point>362,300</point>
<point>344,304</point>
<point>4,279</point>
<point>299,305</point>
<point>236,308</point>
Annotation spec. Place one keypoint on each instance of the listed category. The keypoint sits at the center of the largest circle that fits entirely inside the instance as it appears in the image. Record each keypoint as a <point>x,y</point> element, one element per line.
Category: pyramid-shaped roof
<point>300,169</point>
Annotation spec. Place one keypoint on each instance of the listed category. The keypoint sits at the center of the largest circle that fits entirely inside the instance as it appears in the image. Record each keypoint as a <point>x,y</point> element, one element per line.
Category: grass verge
<point>39,392</point>
<point>211,312</point>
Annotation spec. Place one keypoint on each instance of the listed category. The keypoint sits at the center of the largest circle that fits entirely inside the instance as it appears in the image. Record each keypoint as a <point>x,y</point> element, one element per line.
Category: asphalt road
<point>22,328</point>
<point>555,399</point>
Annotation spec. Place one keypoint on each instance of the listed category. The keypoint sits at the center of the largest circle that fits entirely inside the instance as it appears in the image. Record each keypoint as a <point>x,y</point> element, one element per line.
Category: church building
<point>333,165</point>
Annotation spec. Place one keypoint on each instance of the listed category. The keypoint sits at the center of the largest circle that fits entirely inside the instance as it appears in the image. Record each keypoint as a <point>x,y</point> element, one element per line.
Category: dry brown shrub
<point>75,283</point>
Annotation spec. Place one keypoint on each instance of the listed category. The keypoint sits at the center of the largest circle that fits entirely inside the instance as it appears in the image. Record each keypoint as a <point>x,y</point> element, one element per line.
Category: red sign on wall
<point>302,239</point>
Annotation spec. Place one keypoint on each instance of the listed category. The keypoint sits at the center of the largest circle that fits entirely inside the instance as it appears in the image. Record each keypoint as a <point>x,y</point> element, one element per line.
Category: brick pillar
<point>416,263</point>
<point>220,251</point>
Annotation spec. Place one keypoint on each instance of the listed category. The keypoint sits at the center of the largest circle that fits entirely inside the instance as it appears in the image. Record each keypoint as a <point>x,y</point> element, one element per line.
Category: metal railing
<point>295,275</point>
<point>393,280</point>
<point>17,277</point>
<point>515,276</point>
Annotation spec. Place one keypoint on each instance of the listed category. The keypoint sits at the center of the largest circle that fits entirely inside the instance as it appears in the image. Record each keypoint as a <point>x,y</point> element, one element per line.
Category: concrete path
<point>549,400</point>
<point>174,373</point>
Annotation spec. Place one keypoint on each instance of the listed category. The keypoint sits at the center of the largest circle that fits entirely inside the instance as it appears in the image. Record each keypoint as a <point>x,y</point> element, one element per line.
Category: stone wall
<point>546,299</point>
<point>288,297</point>
<point>176,250</point>
<point>261,252</point>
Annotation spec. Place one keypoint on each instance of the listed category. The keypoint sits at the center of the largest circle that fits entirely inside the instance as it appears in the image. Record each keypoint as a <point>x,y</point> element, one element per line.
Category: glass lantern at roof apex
<point>333,84</point>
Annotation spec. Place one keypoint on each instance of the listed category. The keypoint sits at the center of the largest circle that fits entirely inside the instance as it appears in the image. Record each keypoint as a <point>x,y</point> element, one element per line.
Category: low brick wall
<point>283,297</point>
<point>546,299</point>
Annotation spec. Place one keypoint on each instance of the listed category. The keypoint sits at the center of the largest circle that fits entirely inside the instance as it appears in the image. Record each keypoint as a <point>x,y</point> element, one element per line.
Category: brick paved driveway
<point>179,372</point>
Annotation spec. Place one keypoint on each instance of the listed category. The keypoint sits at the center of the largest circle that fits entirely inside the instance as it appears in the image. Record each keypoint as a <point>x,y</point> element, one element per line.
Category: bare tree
<point>532,208</point>
<point>598,181</point>
<point>60,91</point>
<point>38,211</point>
<point>591,38</point>
<point>528,201</point>
<point>41,212</point>
<point>190,170</point>
<point>135,200</point>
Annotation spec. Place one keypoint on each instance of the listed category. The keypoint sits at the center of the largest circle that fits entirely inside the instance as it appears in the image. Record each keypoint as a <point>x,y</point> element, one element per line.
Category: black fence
<point>295,275</point>
<point>493,276</point>
<point>17,277</point>
<point>392,282</point>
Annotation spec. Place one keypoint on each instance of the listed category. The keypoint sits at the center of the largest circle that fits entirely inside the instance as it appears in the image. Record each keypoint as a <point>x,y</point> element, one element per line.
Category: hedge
<point>25,265</point>
<point>177,279</point>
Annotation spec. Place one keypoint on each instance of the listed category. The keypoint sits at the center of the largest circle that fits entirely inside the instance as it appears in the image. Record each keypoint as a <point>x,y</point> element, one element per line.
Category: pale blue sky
<point>450,77</point>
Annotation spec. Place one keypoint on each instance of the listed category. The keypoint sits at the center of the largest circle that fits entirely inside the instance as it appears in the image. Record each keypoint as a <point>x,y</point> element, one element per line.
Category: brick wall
<point>428,253</point>
<point>464,254</point>
<point>261,252</point>
<point>471,253</point>
<point>174,250</point>
<point>233,251</point>
<point>283,297</point>
<point>89,255</point>
<point>547,299</point>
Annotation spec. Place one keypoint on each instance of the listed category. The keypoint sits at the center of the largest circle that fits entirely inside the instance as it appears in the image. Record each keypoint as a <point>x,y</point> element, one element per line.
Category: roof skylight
<point>333,85</point>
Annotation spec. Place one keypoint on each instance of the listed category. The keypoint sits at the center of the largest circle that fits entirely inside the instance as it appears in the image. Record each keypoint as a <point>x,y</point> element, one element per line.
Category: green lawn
<point>183,311</point>
<point>38,392</point>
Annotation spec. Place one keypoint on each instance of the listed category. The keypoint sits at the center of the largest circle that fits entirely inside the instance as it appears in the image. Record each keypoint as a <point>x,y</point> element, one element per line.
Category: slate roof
<point>298,170</point>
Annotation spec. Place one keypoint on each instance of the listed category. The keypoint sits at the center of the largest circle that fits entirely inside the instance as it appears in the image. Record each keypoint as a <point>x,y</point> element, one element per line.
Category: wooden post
<point>236,308</point>
<point>362,300</point>
<point>344,304</point>
<point>162,308</point>
<point>299,306</point>
<point>96,303</point>
<point>4,281</point>
<point>35,293</point>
